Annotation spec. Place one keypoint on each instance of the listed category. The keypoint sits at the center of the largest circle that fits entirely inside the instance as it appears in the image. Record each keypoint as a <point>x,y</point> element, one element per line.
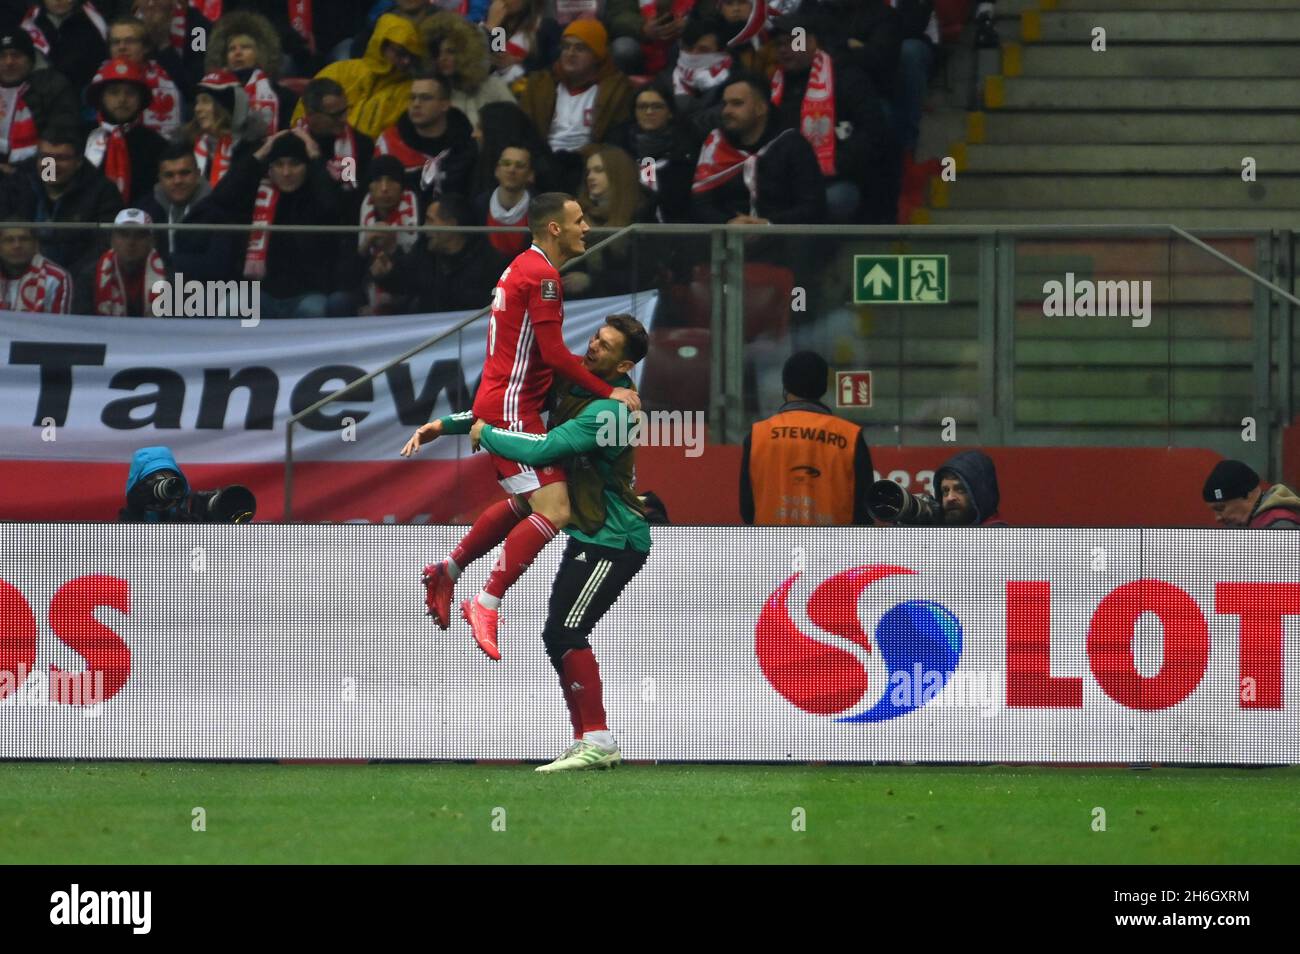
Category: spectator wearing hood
<point>378,86</point>
<point>836,109</point>
<point>122,146</point>
<point>803,466</point>
<point>458,52</point>
<point>246,44</point>
<point>325,117</point>
<point>222,130</point>
<point>282,183</point>
<point>180,197</point>
<point>1236,499</point>
<point>30,99</point>
<point>967,486</point>
<point>77,192</point>
<point>433,140</point>
<point>579,100</point>
<point>72,36</point>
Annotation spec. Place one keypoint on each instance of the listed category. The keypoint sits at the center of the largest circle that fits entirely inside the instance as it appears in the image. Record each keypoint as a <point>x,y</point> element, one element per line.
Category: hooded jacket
<point>206,256</point>
<point>457,140</point>
<point>378,95</point>
<point>614,95</point>
<point>474,85</point>
<point>1278,509</point>
<point>146,461</point>
<point>976,472</point>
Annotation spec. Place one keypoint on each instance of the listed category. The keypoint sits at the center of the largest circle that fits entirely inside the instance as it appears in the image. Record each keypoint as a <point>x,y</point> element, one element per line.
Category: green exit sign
<point>900,279</point>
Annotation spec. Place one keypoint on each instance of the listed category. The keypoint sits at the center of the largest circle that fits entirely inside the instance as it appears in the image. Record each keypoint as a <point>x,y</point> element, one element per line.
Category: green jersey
<point>589,436</point>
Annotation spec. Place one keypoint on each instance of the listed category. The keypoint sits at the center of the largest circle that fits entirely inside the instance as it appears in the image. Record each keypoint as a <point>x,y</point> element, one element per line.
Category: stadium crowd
<point>447,112</point>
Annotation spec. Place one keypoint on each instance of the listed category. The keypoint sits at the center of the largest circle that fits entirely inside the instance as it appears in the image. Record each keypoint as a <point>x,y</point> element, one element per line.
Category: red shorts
<point>517,478</point>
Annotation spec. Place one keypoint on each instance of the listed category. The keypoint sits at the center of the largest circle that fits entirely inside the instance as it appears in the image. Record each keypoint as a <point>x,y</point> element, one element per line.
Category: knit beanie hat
<point>1229,480</point>
<point>592,33</point>
<point>805,375</point>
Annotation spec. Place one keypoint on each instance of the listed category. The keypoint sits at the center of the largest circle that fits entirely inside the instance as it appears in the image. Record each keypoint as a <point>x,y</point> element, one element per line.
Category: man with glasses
<point>433,140</point>
<point>325,117</point>
<point>127,41</point>
<point>75,191</point>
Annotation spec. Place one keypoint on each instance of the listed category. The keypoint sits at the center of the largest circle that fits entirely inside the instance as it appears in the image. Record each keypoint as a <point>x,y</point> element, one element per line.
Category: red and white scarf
<point>214,164</point>
<point>178,34</point>
<point>262,99</point>
<point>697,73</point>
<point>17,127</point>
<point>345,147</point>
<point>391,143</point>
<point>259,242</point>
<point>720,162</point>
<point>163,114</point>
<point>211,9</point>
<point>753,26</point>
<point>817,112</point>
<point>110,287</point>
<point>406,214</point>
<point>44,287</point>
<point>300,22</point>
<point>433,175</point>
<point>508,243</point>
<point>107,150</point>
<point>42,42</point>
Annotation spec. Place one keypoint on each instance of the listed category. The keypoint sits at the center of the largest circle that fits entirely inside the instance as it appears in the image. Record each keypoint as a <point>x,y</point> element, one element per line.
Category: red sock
<point>489,529</point>
<point>582,676</point>
<point>574,716</point>
<point>523,544</point>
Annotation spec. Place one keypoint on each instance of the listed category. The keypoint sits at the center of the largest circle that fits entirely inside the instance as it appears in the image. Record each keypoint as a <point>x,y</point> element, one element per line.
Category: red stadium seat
<point>768,289</point>
<point>677,370</point>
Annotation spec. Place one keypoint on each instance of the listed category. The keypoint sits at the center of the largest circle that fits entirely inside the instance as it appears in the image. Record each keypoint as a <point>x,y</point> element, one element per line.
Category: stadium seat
<point>677,370</point>
<point>767,299</point>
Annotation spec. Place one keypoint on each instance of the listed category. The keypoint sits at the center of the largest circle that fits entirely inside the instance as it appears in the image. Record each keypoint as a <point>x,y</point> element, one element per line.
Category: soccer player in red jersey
<point>525,348</point>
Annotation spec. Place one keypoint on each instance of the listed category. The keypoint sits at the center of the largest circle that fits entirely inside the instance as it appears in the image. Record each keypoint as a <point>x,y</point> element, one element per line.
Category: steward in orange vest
<point>803,466</point>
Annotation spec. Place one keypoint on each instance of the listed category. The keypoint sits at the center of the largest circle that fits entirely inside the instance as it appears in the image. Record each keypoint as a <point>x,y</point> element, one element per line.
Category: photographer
<point>157,492</point>
<point>967,486</point>
<point>1237,500</point>
<point>803,466</point>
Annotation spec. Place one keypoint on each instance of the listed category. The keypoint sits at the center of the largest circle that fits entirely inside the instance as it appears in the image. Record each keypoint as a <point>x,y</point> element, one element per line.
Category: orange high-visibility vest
<point>801,469</point>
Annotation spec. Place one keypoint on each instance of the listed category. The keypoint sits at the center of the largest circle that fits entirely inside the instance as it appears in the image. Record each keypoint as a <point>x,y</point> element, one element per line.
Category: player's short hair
<point>545,209</point>
<point>636,342</point>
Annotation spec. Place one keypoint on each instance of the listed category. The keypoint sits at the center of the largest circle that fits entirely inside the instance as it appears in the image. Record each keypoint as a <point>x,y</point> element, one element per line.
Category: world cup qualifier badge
<point>550,289</point>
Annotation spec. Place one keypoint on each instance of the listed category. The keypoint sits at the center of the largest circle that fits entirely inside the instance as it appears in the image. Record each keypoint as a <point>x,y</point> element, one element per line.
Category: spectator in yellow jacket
<point>378,86</point>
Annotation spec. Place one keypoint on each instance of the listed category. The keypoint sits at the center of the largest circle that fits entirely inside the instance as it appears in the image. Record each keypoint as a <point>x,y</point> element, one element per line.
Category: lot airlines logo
<point>916,647</point>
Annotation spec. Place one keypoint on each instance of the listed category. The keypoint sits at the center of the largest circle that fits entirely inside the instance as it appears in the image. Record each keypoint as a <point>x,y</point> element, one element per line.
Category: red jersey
<point>525,344</point>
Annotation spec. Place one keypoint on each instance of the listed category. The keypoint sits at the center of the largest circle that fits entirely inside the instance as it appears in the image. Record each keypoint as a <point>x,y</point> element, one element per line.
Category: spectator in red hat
<point>28,280</point>
<point>128,40</point>
<point>127,273</point>
<point>122,145</point>
<point>30,99</point>
<point>72,36</point>
<point>222,130</point>
<point>246,44</point>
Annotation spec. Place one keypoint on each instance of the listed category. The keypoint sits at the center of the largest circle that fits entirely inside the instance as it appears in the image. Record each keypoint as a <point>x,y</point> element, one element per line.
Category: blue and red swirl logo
<point>912,637</point>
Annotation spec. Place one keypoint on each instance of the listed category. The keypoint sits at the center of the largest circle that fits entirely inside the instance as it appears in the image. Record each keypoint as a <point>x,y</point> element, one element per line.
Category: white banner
<point>96,389</point>
<point>732,644</point>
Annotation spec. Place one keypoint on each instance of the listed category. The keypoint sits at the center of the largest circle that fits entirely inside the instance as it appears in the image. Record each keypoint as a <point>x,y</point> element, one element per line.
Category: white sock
<point>602,737</point>
<point>453,570</point>
<point>487,601</point>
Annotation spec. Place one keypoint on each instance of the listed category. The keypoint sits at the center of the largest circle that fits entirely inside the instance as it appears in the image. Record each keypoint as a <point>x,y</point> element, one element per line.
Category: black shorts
<point>589,581</point>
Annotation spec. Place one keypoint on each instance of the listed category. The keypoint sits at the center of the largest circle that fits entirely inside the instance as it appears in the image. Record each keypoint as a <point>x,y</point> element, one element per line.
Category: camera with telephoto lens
<point>157,492</point>
<point>888,502</point>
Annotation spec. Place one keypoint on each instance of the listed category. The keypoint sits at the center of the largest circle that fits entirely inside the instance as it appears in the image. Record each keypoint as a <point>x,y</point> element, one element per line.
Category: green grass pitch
<point>141,812</point>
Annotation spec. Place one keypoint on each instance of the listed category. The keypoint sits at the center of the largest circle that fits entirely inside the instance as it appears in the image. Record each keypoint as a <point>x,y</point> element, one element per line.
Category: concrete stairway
<point>1152,130</point>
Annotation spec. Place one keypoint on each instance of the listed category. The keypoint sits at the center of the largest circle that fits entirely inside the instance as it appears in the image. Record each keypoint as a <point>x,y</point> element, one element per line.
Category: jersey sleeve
<point>545,299</point>
<point>557,356</point>
<point>458,423</point>
<point>596,426</point>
